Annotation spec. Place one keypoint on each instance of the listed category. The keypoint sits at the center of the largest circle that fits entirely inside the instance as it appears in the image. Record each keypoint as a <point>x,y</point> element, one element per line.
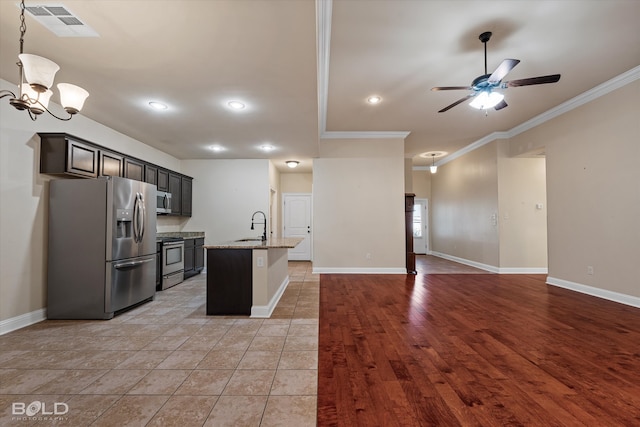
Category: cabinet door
<point>110,164</point>
<point>151,174</point>
<point>189,255</point>
<point>175,188</point>
<point>82,159</point>
<point>199,254</point>
<point>186,196</point>
<point>133,169</point>
<point>163,180</point>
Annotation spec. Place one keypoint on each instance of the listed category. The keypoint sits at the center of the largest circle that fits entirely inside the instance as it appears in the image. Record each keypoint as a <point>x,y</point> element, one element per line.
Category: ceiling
<point>197,55</point>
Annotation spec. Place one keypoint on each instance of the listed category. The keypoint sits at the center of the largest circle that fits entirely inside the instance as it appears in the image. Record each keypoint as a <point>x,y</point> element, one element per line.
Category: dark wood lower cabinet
<point>408,216</point>
<point>229,281</point>
<point>193,257</point>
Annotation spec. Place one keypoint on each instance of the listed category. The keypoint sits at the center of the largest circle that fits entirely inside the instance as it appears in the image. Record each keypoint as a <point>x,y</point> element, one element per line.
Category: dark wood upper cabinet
<point>175,188</point>
<point>64,154</point>
<point>163,180</point>
<point>110,164</point>
<point>186,196</point>
<point>133,169</point>
<point>60,154</point>
<point>151,174</point>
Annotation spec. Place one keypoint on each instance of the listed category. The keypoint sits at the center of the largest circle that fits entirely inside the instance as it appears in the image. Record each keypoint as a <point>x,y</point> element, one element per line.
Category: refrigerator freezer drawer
<point>131,281</point>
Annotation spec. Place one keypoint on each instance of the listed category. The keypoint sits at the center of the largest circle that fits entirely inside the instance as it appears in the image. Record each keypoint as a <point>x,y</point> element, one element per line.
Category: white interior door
<point>420,227</point>
<point>297,223</point>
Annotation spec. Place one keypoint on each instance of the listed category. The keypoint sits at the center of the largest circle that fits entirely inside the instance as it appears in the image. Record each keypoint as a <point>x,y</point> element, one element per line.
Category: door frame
<point>424,224</point>
<point>285,196</point>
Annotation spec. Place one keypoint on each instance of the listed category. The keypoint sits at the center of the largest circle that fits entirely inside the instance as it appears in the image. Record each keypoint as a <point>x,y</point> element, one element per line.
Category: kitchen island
<point>247,276</point>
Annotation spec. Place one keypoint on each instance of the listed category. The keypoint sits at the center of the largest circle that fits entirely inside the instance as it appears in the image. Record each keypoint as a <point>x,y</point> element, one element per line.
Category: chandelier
<point>36,78</point>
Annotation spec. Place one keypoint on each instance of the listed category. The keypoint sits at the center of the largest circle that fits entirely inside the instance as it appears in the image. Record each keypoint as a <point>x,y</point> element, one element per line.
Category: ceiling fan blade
<point>501,105</point>
<point>451,88</point>
<point>459,101</point>
<point>533,81</point>
<point>502,70</point>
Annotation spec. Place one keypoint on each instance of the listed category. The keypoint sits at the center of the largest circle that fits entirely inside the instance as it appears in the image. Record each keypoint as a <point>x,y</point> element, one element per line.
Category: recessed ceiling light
<point>374,99</point>
<point>266,147</point>
<point>236,105</point>
<point>158,105</point>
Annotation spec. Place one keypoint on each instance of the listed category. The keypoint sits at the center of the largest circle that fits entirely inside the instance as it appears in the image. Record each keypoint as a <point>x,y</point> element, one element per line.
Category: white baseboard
<point>491,268</point>
<point>22,321</point>
<point>356,270</point>
<point>470,263</point>
<point>517,270</point>
<point>596,292</point>
<point>264,311</point>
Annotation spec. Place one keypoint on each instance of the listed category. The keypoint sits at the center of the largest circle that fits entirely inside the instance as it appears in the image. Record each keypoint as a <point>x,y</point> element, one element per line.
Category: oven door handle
<point>132,263</point>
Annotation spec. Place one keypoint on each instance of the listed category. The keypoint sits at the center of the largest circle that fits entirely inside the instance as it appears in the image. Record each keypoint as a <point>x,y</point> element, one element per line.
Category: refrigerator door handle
<point>132,263</point>
<point>136,219</point>
<point>142,217</point>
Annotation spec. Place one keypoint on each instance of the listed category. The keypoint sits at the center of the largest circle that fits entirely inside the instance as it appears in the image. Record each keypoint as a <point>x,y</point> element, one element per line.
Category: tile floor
<point>166,363</point>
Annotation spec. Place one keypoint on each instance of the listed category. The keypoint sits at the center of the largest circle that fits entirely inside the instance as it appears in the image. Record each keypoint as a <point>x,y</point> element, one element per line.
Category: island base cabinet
<point>229,281</point>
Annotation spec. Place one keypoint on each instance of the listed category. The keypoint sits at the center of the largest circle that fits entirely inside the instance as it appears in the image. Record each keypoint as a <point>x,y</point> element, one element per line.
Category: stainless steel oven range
<point>172,261</point>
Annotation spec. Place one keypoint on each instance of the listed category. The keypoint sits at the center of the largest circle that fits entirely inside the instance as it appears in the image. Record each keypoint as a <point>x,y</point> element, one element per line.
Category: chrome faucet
<point>264,234</point>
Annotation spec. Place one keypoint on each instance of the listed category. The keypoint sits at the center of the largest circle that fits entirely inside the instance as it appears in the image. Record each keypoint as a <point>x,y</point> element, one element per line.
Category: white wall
<point>24,199</point>
<point>225,195</point>
<point>358,206</point>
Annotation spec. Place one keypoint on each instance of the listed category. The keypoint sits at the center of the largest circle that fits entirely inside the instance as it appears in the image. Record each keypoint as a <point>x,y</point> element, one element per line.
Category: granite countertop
<point>256,243</point>
<point>183,234</point>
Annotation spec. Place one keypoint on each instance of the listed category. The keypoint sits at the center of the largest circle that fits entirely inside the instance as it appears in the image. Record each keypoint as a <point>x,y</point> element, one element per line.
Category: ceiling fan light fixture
<point>486,100</point>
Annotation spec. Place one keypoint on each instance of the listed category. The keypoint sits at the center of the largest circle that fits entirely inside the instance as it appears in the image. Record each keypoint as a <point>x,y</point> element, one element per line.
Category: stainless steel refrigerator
<point>102,246</point>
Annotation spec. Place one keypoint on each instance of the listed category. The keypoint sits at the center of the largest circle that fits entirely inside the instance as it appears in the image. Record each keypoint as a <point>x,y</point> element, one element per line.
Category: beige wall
<point>296,182</point>
<point>24,200</point>
<point>421,184</point>
<point>464,207</point>
<point>593,191</point>
<point>358,206</point>
<point>522,208</point>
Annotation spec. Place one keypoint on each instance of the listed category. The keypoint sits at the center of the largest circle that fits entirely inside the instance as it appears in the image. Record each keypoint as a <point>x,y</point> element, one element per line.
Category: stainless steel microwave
<point>163,202</point>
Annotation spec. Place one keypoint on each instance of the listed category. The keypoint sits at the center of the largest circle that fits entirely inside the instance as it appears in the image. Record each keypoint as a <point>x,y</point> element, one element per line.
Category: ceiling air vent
<point>58,19</point>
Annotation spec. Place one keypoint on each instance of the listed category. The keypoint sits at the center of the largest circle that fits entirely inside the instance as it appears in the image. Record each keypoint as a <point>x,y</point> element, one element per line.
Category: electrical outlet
<point>260,261</point>
<point>368,256</point>
<point>590,270</point>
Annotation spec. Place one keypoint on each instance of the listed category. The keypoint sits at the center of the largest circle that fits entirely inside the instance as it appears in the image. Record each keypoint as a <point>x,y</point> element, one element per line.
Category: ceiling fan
<point>483,88</point>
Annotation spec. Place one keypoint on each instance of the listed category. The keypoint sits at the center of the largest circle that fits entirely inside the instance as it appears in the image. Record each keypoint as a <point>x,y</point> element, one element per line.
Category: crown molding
<point>585,97</point>
<point>323,25</point>
<point>363,135</point>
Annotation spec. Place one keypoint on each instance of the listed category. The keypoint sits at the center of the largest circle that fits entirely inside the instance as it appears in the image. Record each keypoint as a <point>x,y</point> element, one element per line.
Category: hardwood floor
<point>473,350</point>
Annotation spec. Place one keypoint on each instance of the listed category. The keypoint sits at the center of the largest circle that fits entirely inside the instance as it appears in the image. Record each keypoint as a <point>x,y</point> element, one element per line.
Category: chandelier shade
<point>72,97</point>
<point>38,71</point>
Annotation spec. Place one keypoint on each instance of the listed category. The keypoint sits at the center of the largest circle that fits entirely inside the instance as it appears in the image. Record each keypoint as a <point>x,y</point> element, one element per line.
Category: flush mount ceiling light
<point>266,147</point>
<point>216,148</point>
<point>158,105</point>
<point>374,99</point>
<point>36,78</point>
<point>236,105</point>
<point>292,163</point>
